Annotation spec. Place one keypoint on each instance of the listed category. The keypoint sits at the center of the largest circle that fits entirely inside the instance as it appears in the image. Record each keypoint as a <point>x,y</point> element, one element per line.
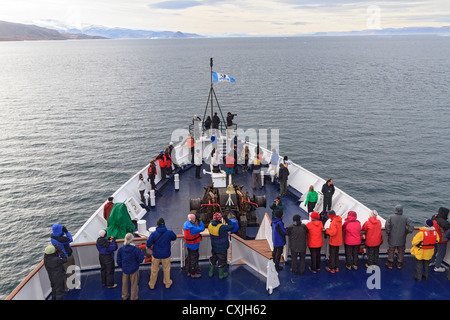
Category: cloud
<point>175,5</point>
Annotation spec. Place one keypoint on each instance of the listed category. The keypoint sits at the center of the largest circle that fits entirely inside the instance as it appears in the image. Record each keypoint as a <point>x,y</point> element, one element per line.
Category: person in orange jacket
<point>315,240</point>
<point>372,227</point>
<point>335,233</point>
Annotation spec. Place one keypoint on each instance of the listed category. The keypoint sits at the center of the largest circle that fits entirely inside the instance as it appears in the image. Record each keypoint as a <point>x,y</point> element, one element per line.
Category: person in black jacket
<point>215,124</point>
<point>106,248</point>
<point>297,233</point>
<point>54,259</point>
<point>208,123</point>
<point>441,226</point>
<point>283,175</point>
<point>327,191</point>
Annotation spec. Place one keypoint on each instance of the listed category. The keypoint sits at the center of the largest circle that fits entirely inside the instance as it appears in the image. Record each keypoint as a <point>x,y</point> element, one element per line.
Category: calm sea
<point>79,118</point>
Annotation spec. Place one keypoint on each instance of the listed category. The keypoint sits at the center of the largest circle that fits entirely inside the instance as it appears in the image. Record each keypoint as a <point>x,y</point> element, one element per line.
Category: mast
<point>212,89</point>
<point>211,97</point>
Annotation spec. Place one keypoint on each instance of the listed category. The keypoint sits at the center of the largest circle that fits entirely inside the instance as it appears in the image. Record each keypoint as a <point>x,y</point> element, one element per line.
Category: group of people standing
<point>350,233</point>
<point>429,247</point>
<point>58,256</point>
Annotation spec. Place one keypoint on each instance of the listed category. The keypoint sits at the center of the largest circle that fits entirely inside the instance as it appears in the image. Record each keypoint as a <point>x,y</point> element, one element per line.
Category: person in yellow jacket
<point>424,243</point>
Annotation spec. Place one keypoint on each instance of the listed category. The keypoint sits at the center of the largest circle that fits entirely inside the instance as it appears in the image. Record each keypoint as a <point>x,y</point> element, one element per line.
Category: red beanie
<point>315,215</point>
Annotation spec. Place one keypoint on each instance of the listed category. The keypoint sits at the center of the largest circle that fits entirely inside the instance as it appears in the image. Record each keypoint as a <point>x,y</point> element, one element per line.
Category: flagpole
<point>211,90</point>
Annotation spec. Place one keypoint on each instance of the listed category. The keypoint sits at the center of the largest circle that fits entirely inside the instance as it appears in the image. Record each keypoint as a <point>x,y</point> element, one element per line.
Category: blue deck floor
<point>245,284</point>
<point>173,205</point>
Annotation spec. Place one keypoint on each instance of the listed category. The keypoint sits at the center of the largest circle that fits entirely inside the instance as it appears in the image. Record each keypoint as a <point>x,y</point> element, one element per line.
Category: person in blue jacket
<point>129,257</point>
<point>61,237</point>
<point>106,248</point>
<point>160,242</point>
<point>278,238</point>
<point>192,237</point>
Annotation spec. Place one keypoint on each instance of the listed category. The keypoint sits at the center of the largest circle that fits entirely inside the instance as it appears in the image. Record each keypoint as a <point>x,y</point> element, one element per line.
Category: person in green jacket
<point>276,205</point>
<point>311,199</point>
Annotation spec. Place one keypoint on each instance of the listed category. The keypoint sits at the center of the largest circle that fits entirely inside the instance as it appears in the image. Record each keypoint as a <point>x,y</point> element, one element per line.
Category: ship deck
<point>243,283</point>
<point>171,204</point>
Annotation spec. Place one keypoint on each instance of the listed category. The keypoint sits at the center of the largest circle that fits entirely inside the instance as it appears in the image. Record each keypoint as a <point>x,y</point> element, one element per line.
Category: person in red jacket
<point>107,208</point>
<point>162,161</point>
<point>315,240</point>
<point>372,227</point>
<point>335,233</point>
<point>352,240</point>
<point>168,161</point>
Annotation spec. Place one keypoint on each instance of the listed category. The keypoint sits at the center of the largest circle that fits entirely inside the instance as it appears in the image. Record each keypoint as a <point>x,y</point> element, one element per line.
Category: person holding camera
<point>106,247</point>
<point>61,237</point>
<point>192,237</point>
<point>229,119</point>
<point>276,205</point>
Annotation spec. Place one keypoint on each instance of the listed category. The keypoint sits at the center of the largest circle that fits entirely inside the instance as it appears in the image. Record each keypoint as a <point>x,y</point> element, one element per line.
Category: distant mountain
<point>390,31</point>
<point>121,33</point>
<point>115,33</point>
<point>20,32</point>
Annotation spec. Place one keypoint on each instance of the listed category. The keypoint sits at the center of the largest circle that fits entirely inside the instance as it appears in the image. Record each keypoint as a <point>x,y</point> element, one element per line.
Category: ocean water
<point>79,118</point>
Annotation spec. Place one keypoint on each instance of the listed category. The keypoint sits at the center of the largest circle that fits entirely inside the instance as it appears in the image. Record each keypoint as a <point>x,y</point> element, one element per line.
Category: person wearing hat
<point>335,233</point>
<point>352,240</point>
<point>54,260</point>
<point>297,243</point>
<point>220,243</point>
<point>372,227</point>
<point>441,225</point>
<point>315,240</point>
<point>424,243</point>
<point>160,243</point>
<point>129,257</point>
<point>61,237</point>
<point>397,226</point>
<point>172,155</point>
<point>106,248</point>
<point>207,123</point>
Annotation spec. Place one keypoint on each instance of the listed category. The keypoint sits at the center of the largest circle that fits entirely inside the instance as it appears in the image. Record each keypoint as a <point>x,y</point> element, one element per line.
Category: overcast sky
<point>221,17</point>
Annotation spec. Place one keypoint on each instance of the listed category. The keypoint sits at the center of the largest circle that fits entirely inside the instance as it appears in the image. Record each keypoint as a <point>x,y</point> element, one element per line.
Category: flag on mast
<point>221,77</point>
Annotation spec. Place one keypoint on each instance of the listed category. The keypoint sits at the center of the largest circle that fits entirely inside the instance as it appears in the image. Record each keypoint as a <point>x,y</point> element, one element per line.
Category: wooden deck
<point>262,246</point>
